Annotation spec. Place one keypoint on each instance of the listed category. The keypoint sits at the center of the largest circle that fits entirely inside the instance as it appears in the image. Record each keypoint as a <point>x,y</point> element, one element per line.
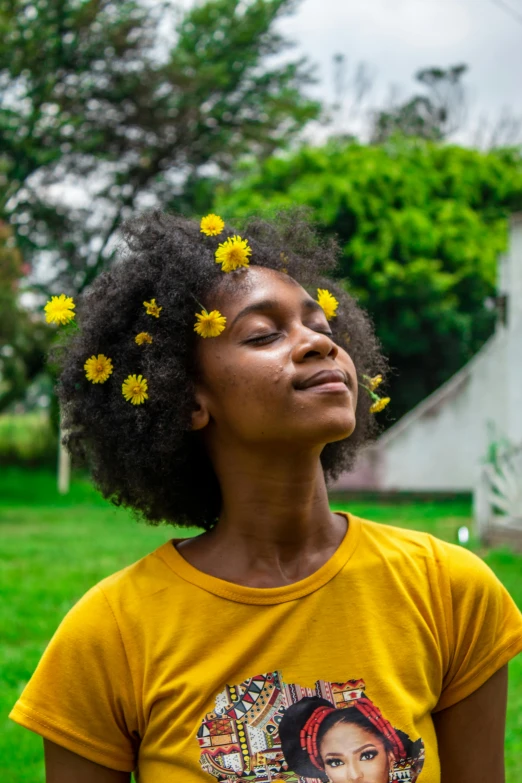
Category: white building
<point>439,446</point>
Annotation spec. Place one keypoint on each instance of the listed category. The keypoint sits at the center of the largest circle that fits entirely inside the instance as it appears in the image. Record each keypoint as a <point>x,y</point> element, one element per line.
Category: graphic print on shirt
<point>267,730</point>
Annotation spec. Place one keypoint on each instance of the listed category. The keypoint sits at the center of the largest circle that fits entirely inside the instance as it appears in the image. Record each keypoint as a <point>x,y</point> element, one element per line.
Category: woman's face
<point>351,754</point>
<point>274,376</point>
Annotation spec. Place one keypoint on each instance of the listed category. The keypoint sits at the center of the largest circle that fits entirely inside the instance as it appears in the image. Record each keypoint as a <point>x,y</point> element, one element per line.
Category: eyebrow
<point>368,745</point>
<point>270,305</point>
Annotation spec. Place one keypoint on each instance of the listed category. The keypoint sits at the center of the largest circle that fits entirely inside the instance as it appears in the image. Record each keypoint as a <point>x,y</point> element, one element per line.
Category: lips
<point>323,377</point>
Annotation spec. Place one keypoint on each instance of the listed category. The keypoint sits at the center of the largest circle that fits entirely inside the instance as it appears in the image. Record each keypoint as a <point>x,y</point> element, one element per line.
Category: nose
<point>313,345</point>
<point>349,772</point>
<point>352,775</point>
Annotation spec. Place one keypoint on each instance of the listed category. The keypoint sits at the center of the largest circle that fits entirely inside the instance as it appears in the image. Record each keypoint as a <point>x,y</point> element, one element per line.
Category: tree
<point>434,115</point>
<point>420,225</point>
<point>86,101</point>
<point>352,85</point>
<point>23,337</point>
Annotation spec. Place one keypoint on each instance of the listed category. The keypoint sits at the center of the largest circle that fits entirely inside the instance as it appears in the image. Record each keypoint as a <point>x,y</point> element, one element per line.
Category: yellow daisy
<point>212,225</point>
<point>233,253</point>
<point>328,302</point>
<point>143,337</point>
<point>210,324</point>
<point>379,404</point>
<point>152,308</point>
<point>374,382</point>
<point>98,368</point>
<point>134,389</point>
<point>58,309</point>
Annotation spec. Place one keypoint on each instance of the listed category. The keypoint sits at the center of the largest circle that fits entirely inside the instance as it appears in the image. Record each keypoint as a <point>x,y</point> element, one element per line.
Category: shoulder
<point>470,590</point>
<point>405,543</point>
<point>129,588</point>
<point>397,544</point>
<point>450,570</point>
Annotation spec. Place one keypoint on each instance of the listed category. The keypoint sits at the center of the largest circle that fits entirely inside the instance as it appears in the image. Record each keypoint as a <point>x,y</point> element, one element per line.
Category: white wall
<point>440,444</point>
<point>514,349</point>
<point>442,447</point>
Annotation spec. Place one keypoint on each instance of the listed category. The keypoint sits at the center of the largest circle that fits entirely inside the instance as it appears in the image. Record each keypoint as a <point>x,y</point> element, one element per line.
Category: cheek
<point>256,381</point>
<point>336,774</point>
<point>381,765</point>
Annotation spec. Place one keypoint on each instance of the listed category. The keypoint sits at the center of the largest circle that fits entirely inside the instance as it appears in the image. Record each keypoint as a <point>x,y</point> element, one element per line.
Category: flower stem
<point>372,394</point>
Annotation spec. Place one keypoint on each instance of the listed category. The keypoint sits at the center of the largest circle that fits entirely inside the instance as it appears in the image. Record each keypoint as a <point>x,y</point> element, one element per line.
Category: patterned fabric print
<point>240,741</point>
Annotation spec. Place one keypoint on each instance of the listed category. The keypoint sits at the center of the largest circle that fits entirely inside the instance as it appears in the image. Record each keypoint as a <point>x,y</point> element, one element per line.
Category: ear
<point>200,414</point>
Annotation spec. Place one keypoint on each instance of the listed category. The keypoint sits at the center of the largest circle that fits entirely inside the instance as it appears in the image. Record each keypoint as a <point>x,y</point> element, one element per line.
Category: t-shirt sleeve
<point>484,624</point>
<point>80,695</point>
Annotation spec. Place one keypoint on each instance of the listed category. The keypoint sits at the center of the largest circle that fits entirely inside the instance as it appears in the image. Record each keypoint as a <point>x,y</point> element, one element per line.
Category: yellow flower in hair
<point>210,324</point>
<point>134,389</point>
<point>379,404</point>
<point>328,302</point>
<point>374,382</point>
<point>143,337</point>
<point>59,309</point>
<point>212,225</point>
<point>152,308</point>
<point>98,368</point>
<point>233,253</point>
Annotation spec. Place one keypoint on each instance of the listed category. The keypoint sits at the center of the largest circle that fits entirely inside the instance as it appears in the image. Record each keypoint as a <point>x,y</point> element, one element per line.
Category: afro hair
<point>145,457</point>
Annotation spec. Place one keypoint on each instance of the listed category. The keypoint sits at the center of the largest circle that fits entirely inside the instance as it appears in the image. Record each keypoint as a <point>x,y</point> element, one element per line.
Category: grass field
<point>54,548</point>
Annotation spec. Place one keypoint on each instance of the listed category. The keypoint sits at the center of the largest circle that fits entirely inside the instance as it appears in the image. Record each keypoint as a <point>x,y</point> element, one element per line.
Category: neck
<point>274,499</point>
<point>276,526</point>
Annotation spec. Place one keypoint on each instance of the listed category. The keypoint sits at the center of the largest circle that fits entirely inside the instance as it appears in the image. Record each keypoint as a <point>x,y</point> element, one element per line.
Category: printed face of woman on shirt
<point>351,754</point>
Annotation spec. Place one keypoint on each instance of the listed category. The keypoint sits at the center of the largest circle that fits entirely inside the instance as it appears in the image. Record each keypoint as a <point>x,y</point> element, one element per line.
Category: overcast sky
<point>397,37</point>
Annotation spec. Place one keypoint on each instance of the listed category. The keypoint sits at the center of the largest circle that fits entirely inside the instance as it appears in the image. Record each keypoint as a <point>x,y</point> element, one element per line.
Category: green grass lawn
<point>54,548</point>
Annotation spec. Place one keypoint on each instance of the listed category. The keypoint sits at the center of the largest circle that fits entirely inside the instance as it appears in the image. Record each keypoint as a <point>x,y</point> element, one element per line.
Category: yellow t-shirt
<point>181,676</point>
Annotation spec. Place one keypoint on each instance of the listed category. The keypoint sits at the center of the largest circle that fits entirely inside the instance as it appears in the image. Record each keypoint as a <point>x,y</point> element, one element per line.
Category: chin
<point>339,436</point>
<point>337,429</point>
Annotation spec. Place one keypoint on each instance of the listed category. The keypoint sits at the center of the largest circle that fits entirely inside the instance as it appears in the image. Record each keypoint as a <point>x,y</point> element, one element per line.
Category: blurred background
<point>398,122</point>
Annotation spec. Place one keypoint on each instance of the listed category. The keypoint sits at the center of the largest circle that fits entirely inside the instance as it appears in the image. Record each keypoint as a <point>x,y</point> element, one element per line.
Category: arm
<point>470,734</point>
<point>62,766</point>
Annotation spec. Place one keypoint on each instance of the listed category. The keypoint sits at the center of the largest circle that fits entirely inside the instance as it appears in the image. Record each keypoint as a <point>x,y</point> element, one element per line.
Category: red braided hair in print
<point>309,732</point>
<point>311,728</point>
<point>368,708</point>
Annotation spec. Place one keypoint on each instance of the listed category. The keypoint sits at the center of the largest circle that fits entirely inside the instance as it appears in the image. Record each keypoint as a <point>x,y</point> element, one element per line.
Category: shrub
<point>27,439</point>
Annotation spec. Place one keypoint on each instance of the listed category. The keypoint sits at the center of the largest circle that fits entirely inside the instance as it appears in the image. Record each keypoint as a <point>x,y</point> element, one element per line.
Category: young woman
<point>354,742</point>
<point>217,381</point>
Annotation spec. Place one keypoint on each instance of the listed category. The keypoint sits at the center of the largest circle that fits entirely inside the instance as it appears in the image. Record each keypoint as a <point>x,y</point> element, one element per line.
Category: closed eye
<point>264,338</point>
